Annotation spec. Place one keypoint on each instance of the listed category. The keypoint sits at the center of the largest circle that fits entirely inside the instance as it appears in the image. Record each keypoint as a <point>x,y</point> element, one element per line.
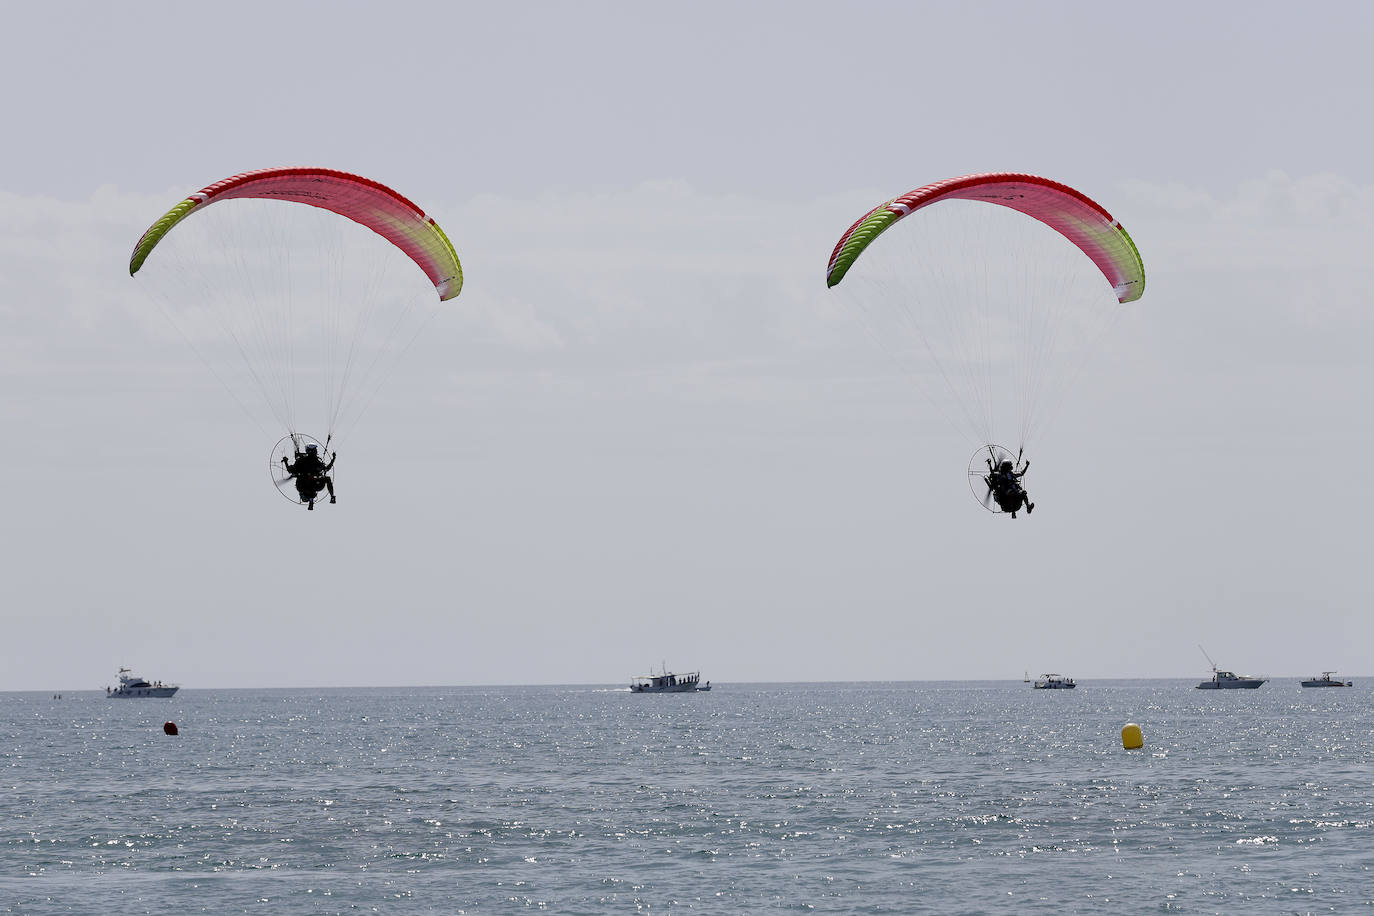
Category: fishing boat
<point>1227,680</point>
<point>131,686</point>
<point>667,682</point>
<point>1054,682</point>
<point>1326,681</point>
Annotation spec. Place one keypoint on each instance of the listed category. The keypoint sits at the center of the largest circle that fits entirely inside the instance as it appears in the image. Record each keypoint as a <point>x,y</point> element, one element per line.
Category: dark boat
<point>1326,681</point>
<point>667,682</point>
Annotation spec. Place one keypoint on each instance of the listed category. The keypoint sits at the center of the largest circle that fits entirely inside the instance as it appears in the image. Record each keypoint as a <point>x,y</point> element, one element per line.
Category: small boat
<point>667,682</point>
<point>131,686</point>
<point>1326,681</point>
<point>1054,682</point>
<point>1227,680</point>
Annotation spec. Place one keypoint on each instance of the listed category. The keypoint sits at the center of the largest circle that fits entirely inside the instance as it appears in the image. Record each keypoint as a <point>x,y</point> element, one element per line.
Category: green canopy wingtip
<point>157,230</point>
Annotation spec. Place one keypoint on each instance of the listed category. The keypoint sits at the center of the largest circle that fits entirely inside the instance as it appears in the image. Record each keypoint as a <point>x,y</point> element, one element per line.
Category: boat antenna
<point>1206,656</point>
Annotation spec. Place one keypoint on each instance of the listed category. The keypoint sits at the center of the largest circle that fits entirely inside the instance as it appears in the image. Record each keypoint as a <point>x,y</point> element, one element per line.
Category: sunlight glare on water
<point>899,798</point>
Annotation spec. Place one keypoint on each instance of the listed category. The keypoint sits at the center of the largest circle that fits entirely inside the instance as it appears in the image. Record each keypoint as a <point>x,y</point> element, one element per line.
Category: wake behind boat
<point>131,686</point>
<point>667,682</point>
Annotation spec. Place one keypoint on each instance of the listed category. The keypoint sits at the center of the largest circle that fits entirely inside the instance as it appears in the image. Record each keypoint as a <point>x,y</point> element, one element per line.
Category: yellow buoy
<point>1131,737</point>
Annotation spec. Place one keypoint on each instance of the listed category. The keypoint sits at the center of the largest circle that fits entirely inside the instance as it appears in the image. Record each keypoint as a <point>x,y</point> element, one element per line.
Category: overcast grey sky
<point>645,432</point>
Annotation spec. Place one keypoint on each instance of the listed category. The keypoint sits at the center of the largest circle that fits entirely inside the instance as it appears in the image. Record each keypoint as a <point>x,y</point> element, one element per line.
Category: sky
<point>645,434</point>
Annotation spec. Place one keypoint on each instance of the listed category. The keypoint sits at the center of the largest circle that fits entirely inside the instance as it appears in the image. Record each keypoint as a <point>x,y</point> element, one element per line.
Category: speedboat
<point>1229,680</point>
<point>131,686</point>
<point>1326,681</point>
<point>1054,682</point>
<point>667,682</point>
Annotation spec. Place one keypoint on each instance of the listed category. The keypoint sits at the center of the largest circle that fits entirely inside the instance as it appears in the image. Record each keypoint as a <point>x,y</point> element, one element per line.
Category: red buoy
<point>169,728</point>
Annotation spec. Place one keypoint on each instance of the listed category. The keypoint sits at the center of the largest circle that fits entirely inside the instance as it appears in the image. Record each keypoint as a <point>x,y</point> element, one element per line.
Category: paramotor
<point>299,288</point>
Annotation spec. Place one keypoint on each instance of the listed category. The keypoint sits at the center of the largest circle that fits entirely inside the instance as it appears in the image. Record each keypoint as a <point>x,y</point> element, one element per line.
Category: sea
<point>916,797</point>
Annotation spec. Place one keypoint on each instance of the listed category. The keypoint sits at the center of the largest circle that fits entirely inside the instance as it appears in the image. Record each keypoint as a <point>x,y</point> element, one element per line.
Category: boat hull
<point>1248,684</point>
<point>1321,683</point>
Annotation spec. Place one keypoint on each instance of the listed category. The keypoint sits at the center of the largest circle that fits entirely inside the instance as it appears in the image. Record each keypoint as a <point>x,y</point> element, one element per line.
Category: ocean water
<point>979,797</point>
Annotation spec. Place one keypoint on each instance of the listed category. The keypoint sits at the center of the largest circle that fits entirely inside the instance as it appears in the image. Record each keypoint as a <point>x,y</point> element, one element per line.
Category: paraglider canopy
<point>1070,213</point>
<point>366,202</point>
